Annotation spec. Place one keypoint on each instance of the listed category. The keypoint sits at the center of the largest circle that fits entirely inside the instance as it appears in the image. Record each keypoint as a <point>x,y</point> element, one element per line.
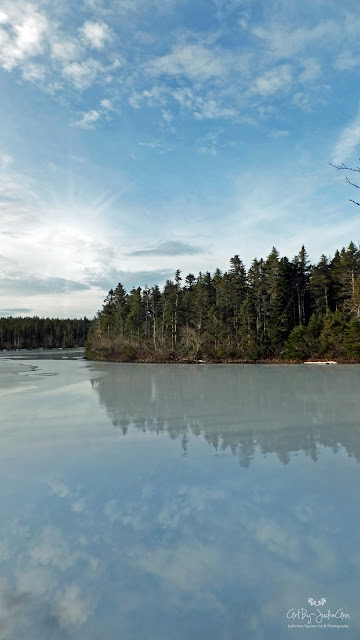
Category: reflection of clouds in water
<point>78,506</point>
<point>33,581</point>
<point>131,535</point>
<point>188,503</point>
<point>52,549</point>
<point>190,567</point>
<point>21,607</point>
<point>70,608</point>
<point>193,552</point>
<point>111,511</point>
<point>58,488</point>
<point>276,539</point>
<point>188,563</point>
<point>41,590</point>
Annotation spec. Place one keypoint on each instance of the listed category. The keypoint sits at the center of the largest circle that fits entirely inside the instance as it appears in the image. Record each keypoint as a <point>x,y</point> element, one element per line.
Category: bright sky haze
<point>142,136</point>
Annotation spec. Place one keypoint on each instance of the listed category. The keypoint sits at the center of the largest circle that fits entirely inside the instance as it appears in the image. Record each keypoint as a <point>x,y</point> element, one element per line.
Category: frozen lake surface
<point>173,502</point>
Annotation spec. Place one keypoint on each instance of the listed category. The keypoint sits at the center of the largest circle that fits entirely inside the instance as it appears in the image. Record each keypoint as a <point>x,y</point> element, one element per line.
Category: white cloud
<point>106,104</point>
<point>273,81</point>
<point>276,134</point>
<point>95,34</point>
<point>5,160</point>
<point>311,70</point>
<point>284,42</point>
<point>167,116</point>
<point>301,100</point>
<point>347,61</point>
<point>201,106</point>
<point>347,142</point>
<point>31,222</point>
<point>152,145</point>
<point>82,74</point>
<point>34,72</point>
<point>17,197</point>
<point>192,60</point>
<point>156,96</point>
<point>209,144</point>
<point>88,120</point>
<point>22,35</point>
<point>65,49</point>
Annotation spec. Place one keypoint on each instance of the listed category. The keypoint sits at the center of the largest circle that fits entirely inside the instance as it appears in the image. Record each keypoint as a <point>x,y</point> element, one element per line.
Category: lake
<point>173,502</point>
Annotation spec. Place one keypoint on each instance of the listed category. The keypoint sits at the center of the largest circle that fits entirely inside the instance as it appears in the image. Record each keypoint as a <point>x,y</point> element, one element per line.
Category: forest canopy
<point>278,309</point>
<point>43,333</point>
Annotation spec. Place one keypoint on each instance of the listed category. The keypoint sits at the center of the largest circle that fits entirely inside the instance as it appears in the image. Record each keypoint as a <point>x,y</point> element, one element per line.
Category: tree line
<point>45,333</point>
<point>277,309</point>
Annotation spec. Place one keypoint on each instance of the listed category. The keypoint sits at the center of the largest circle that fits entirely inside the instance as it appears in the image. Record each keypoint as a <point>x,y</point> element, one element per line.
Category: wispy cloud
<point>4,313</point>
<point>347,142</point>
<point>284,41</point>
<point>347,61</point>
<point>277,134</point>
<point>82,74</point>
<point>169,248</point>
<point>5,160</point>
<point>273,81</point>
<point>191,60</point>
<point>88,120</point>
<point>133,279</point>
<point>311,70</point>
<point>27,285</point>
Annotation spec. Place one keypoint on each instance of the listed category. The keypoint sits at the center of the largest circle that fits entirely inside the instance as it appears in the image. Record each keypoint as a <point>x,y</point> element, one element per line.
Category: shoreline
<point>120,358</point>
<point>269,361</point>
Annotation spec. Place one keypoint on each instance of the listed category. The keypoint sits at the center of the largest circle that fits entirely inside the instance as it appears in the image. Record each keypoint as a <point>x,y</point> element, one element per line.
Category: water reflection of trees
<point>242,409</point>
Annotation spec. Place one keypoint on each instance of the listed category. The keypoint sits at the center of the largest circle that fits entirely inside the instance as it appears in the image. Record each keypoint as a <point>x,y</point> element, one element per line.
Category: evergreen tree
<point>300,283</point>
<point>320,286</point>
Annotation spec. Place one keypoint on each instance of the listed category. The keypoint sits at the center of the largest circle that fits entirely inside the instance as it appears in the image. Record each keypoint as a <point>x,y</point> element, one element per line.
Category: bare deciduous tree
<point>344,167</point>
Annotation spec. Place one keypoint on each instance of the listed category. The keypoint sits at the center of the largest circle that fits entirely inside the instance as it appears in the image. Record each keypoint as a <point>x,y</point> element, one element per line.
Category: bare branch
<point>340,167</point>
<point>352,183</point>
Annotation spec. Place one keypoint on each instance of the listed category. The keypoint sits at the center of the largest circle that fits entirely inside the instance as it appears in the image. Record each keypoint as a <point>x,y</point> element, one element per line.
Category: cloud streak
<point>169,248</point>
<point>348,141</point>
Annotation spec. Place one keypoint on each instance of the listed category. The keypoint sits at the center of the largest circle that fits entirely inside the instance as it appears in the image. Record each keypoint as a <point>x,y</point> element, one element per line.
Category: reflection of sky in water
<point>249,508</point>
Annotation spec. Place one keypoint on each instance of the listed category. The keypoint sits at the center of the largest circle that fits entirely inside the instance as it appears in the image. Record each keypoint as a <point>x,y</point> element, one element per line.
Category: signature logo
<point>304,618</point>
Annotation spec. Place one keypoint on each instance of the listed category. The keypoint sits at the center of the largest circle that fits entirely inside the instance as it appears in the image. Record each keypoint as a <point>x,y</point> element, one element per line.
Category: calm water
<point>173,502</point>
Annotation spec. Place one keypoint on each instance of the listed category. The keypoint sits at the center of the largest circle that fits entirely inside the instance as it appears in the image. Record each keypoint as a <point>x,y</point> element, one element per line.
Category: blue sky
<point>142,136</point>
